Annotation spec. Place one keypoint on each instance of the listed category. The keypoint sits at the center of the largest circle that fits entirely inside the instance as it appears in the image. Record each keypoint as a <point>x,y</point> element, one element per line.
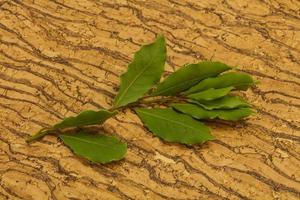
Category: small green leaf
<point>234,79</point>
<point>200,113</point>
<point>188,76</point>
<point>144,71</point>
<point>211,94</point>
<point>173,126</point>
<point>85,118</point>
<point>96,148</point>
<point>88,117</point>
<point>227,102</point>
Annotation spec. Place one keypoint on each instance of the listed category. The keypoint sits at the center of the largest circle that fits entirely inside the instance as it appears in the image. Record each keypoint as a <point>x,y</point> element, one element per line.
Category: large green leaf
<point>88,117</point>
<point>200,113</point>
<point>234,79</point>
<point>96,148</point>
<point>144,71</point>
<point>211,94</point>
<point>188,76</point>
<point>173,126</point>
<point>227,102</point>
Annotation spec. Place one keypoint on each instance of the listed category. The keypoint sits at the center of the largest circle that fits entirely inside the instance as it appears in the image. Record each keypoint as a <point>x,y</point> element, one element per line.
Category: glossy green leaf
<point>96,148</point>
<point>227,102</point>
<point>88,117</point>
<point>211,94</point>
<point>173,126</point>
<point>235,79</point>
<point>144,71</point>
<point>200,113</point>
<point>188,76</point>
<point>85,118</point>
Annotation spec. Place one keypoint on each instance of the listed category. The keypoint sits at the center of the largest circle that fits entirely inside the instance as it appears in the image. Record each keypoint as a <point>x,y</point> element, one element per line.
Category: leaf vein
<point>83,140</point>
<point>135,79</point>
<point>168,120</point>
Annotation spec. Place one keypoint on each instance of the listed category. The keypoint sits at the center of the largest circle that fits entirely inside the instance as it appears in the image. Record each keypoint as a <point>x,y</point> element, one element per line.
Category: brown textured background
<point>58,57</point>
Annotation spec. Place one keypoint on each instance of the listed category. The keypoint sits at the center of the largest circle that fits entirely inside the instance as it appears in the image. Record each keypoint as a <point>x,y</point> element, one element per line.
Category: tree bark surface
<point>59,57</point>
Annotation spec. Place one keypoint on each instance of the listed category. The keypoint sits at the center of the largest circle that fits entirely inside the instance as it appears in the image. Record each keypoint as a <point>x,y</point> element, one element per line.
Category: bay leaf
<point>143,72</point>
<point>85,118</point>
<point>200,113</point>
<point>210,94</point>
<point>235,79</point>
<point>96,148</point>
<point>173,126</point>
<point>188,76</point>
<point>226,102</point>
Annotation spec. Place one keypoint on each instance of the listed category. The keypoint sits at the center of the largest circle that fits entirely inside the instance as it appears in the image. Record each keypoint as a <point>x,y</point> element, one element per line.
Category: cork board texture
<point>59,57</point>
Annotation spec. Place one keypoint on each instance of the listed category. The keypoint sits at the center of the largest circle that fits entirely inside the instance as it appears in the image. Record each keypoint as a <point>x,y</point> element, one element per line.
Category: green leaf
<point>85,118</point>
<point>227,102</point>
<point>173,126</point>
<point>88,117</point>
<point>234,79</point>
<point>96,148</point>
<point>211,94</point>
<point>144,71</point>
<point>200,113</point>
<point>188,76</point>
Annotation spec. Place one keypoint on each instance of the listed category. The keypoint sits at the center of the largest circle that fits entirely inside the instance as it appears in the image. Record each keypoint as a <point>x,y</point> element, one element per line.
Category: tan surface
<point>60,57</point>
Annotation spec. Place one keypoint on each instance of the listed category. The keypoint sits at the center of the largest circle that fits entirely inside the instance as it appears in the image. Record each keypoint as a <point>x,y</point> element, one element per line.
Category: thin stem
<point>129,105</point>
<point>39,135</point>
<point>123,107</point>
<point>144,100</point>
<point>163,100</point>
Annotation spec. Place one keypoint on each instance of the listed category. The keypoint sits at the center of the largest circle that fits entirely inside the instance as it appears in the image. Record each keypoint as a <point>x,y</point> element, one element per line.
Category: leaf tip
<point>160,36</point>
<point>256,82</point>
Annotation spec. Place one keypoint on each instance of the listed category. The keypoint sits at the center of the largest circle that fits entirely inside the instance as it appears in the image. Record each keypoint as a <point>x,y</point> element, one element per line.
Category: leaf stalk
<point>39,135</point>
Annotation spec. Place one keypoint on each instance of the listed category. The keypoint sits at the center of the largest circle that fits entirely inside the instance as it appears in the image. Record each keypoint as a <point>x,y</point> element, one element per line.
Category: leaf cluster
<point>172,109</point>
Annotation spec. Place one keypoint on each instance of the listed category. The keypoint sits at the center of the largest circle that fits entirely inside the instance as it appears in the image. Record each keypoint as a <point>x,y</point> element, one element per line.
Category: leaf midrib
<point>223,91</point>
<point>162,91</point>
<point>167,119</point>
<point>130,85</point>
<point>242,83</point>
<point>83,140</point>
